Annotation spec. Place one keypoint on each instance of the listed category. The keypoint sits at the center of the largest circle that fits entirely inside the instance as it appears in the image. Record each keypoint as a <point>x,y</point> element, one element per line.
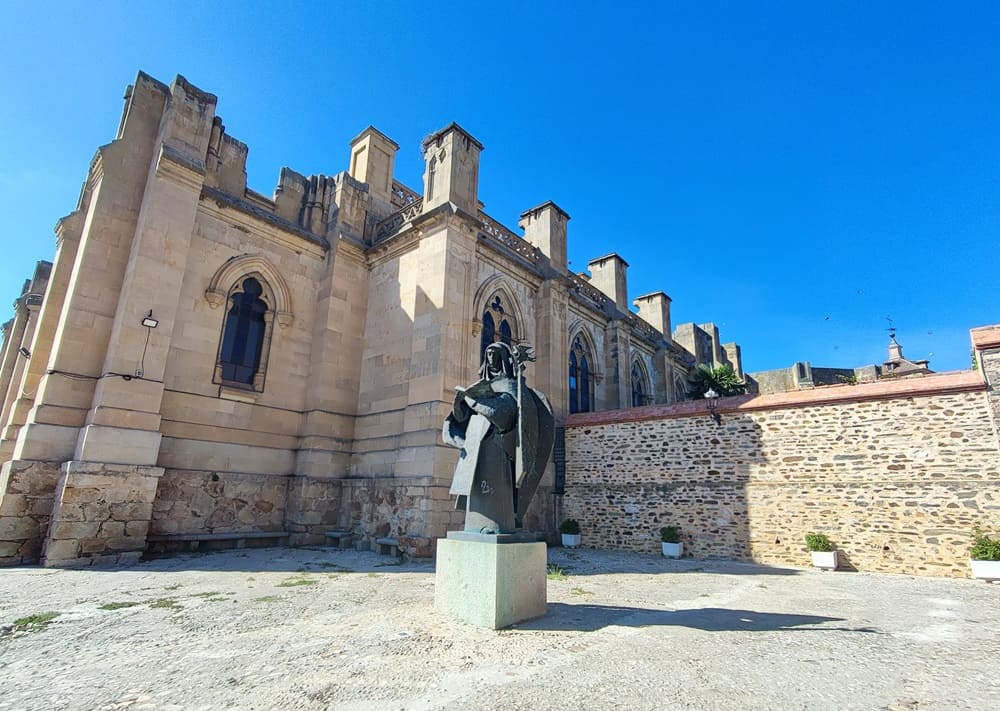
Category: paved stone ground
<point>327,629</point>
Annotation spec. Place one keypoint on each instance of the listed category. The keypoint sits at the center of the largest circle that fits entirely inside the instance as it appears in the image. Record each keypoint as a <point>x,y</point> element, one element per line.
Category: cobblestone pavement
<point>327,629</point>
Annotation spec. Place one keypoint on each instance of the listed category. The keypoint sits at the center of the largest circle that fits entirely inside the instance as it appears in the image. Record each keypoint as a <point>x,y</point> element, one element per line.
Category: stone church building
<point>200,362</point>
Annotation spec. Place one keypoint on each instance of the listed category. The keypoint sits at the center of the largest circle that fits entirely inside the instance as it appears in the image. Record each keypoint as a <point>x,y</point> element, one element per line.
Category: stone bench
<point>340,539</point>
<point>239,539</point>
<point>387,546</point>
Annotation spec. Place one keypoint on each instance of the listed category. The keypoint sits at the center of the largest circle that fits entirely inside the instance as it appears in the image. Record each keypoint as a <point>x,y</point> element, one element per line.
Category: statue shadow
<point>597,562</point>
<point>589,618</point>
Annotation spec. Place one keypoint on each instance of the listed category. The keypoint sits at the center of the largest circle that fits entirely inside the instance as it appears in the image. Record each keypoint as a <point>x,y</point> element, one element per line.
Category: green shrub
<point>819,543</point>
<point>670,534</point>
<point>570,527</point>
<point>984,547</point>
<point>554,572</point>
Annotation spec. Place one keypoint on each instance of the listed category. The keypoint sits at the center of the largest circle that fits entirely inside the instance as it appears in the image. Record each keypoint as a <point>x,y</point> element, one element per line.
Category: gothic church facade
<point>201,363</point>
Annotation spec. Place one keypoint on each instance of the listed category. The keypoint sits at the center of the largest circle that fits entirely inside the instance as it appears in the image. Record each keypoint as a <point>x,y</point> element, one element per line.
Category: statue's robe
<point>490,441</point>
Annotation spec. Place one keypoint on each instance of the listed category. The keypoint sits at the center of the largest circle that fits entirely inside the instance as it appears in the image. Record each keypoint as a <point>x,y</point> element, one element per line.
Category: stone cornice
<point>259,221</point>
<point>348,246</point>
<point>438,135</point>
<point>372,129</point>
<point>179,167</point>
<point>539,208</point>
<point>408,237</point>
<point>606,257</point>
<point>513,256</point>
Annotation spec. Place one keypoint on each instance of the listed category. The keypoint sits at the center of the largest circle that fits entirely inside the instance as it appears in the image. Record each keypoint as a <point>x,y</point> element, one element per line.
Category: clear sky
<point>795,173</point>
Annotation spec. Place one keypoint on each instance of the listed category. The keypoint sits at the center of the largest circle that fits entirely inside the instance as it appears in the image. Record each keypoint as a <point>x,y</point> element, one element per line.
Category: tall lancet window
<point>581,379</point>
<point>243,335</point>
<point>640,388</point>
<point>498,325</point>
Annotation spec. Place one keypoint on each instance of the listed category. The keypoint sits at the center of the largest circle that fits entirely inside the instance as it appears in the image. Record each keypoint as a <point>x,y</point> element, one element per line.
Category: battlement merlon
<point>654,309</point>
<point>545,227</point>
<point>373,157</point>
<point>451,173</point>
<point>608,273</point>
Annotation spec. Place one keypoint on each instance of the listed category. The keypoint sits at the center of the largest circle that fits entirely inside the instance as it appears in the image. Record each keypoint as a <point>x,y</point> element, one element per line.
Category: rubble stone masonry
<point>896,473</point>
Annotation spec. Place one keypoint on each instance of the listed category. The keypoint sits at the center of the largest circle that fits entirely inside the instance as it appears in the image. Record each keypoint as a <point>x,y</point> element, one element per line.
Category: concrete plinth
<point>490,584</point>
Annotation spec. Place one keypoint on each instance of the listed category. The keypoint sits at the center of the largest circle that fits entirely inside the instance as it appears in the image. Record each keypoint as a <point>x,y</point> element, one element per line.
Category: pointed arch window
<point>498,325</point>
<point>245,336</point>
<point>640,388</point>
<point>680,390</point>
<point>581,379</point>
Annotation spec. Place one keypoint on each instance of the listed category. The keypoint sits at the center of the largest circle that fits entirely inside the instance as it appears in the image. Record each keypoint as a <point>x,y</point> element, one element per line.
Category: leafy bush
<point>722,380</point>
<point>569,527</point>
<point>984,547</point>
<point>819,543</point>
<point>670,534</point>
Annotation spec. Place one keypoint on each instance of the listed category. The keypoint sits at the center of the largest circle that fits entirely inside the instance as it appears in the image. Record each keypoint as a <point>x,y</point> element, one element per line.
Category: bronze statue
<point>504,430</point>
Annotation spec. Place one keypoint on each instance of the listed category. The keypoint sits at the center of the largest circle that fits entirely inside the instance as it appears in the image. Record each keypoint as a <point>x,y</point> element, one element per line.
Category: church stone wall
<point>218,502</point>
<point>375,300</point>
<point>896,474</point>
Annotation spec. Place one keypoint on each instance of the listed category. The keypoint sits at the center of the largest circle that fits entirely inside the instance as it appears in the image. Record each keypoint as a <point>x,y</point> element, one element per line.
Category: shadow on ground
<point>275,560</point>
<point>588,618</point>
<point>597,562</point>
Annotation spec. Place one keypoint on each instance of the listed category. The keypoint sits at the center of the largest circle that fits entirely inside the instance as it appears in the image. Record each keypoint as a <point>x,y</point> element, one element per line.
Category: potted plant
<point>984,556</point>
<point>824,553</point>
<point>670,541</point>
<point>570,531</point>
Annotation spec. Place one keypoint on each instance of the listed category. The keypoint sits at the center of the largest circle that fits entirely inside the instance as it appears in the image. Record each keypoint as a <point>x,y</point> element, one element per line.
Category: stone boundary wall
<point>896,473</point>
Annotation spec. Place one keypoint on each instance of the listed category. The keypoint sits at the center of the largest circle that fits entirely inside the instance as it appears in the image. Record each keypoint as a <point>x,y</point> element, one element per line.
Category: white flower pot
<point>985,569</point>
<point>672,550</point>
<point>824,560</point>
<point>571,540</point>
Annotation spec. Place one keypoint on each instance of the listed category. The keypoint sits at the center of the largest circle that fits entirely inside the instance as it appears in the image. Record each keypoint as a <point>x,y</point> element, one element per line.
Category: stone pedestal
<point>486,581</point>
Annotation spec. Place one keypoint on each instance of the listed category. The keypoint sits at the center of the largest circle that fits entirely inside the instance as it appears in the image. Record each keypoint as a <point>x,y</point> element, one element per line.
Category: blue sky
<point>794,172</point>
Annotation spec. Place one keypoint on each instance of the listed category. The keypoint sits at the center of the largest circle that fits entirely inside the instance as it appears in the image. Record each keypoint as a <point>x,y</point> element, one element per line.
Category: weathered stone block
<point>62,530</point>
<point>13,505</point>
<point>56,551</point>
<point>92,545</point>
<point>93,511</point>
<point>82,495</point>
<point>40,506</point>
<point>130,511</point>
<point>112,529</point>
<point>137,529</point>
<point>126,543</point>
<point>17,527</point>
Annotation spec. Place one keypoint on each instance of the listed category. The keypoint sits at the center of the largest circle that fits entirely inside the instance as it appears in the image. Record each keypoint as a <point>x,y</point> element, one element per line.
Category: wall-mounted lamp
<point>713,405</point>
<point>150,323</point>
<point>25,352</point>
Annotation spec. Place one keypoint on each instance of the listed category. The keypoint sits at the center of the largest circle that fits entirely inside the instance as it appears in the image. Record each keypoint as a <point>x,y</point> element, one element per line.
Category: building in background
<point>203,364</point>
<point>802,375</point>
